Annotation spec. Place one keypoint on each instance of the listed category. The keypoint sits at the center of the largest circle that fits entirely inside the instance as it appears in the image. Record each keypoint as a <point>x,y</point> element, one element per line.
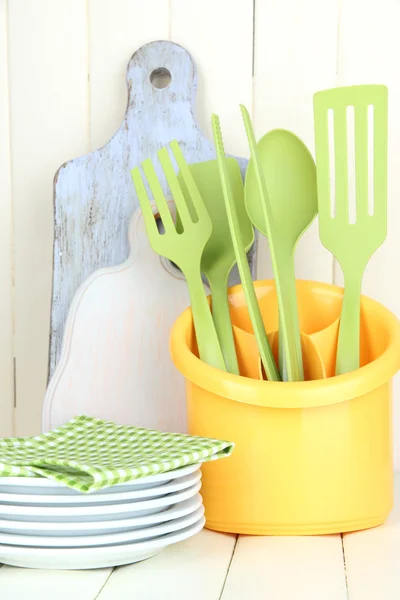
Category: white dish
<point>95,512</point>
<point>101,527</point>
<point>41,485</point>
<point>161,490</point>
<point>112,539</point>
<point>97,557</point>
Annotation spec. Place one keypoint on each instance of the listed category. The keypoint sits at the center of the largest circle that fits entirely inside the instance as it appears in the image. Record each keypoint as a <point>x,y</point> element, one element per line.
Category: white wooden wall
<point>62,94</point>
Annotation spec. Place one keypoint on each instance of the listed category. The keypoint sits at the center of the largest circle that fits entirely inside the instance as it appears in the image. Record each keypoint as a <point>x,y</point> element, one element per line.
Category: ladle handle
<point>288,276</point>
<point>222,320</point>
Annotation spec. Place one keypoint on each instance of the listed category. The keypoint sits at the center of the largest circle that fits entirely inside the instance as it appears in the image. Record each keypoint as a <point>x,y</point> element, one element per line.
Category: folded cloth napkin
<point>89,454</point>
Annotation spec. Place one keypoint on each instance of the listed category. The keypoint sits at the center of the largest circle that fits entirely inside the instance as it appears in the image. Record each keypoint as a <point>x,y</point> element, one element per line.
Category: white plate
<point>101,527</point>
<point>97,557</point>
<point>161,490</point>
<point>41,485</point>
<point>113,539</point>
<point>95,512</point>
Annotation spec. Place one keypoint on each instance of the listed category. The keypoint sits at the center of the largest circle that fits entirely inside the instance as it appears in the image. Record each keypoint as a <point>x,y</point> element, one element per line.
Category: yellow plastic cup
<point>318,318</point>
<point>312,457</point>
<point>313,363</point>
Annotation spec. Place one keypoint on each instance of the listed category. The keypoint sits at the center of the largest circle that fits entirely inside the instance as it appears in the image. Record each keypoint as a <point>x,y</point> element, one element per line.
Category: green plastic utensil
<point>256,196</point>
<point>351,132</point>
<point>184,248</point>
<point>219,255</point>
<point>291,180</point>
<point>241,259</point>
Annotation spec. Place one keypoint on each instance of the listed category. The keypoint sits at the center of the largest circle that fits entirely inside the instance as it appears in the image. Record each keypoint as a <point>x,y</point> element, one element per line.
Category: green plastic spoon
<point>219,255</point>
<point>253,202</point>
<point>291,181</point>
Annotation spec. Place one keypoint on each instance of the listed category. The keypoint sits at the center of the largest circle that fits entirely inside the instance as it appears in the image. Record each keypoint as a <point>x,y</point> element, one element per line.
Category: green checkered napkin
<point>89,454</point>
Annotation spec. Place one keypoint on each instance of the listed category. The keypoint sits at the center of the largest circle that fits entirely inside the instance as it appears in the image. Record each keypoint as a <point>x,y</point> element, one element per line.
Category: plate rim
<point>98,510</point>
<point>47,482</point>
<point>171,513</point>
<point>164,489</point>
<point>98,550</point>
<point>116,538</point>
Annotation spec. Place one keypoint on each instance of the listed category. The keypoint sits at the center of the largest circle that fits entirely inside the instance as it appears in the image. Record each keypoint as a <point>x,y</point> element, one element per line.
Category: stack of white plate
<point>46,525</point>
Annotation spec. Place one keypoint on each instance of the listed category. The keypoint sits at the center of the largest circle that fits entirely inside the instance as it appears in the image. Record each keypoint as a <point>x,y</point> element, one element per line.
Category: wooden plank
<point>361,61</point>
<point>194,569</point>
<point>49,123</point>
<point>6,241</point>
<point>372,558</point>
<point>223,55</point>
<point>294,57</point>
<point>116,30</point>
<point>18,584</point>
<point>301,568</point>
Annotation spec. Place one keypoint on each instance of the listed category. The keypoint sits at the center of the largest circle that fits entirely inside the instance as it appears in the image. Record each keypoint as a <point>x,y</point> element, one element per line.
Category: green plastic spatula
<point>244,269</point>
<point>218,256</point>
<point>351,154</point>
<point>263,220</point>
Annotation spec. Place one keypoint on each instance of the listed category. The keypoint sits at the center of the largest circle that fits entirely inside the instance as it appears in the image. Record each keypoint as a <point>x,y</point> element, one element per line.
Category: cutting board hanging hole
<point>160,78</point>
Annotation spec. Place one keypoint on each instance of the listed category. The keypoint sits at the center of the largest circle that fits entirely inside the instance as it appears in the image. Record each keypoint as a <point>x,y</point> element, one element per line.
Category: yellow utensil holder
<point>312,457</point>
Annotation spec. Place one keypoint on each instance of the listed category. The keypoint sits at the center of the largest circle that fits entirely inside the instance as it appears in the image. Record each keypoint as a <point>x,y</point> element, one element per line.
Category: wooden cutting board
<point>114,362</point>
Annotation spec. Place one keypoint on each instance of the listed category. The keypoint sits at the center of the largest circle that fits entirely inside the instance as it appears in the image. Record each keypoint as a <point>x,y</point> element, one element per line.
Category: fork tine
<point>341,174</point>
<point>144,202</point>
<point>159,197</point>
<point>178,196</point>
<point>189,181</point>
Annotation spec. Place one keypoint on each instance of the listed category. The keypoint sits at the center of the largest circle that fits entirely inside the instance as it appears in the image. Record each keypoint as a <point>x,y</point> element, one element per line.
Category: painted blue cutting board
<point>94,198</point>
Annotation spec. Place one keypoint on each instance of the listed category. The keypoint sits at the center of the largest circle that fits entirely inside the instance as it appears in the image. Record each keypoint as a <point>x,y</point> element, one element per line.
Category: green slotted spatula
<point>351,157</point>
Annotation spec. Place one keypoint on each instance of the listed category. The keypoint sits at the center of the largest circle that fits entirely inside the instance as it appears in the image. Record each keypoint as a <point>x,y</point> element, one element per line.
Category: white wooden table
<point>210,566</point>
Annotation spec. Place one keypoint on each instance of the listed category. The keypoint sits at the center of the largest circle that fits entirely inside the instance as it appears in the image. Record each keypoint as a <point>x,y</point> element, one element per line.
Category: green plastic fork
<point>185,248</point>
<point>361,110</point>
